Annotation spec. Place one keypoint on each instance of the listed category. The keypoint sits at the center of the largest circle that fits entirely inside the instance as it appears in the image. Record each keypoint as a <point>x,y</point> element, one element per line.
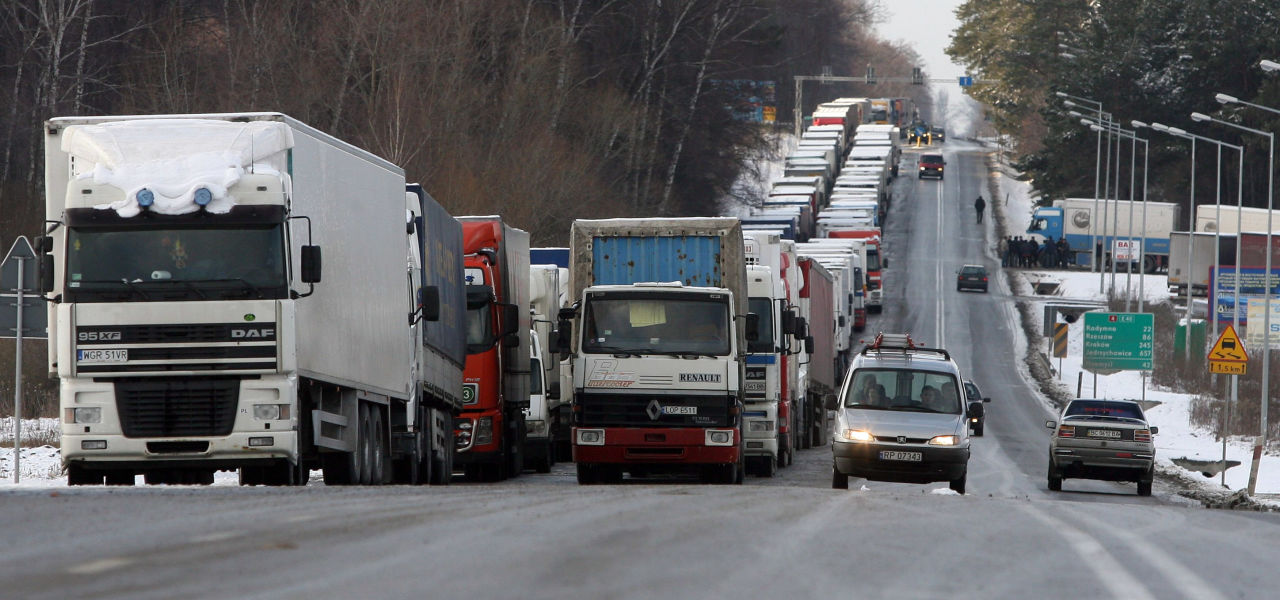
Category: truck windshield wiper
<point>133,289</point>
<point>249,288</point>
<point>616,351</point>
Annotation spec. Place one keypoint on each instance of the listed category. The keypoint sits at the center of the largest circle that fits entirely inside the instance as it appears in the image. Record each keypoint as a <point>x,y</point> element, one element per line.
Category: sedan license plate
<point>1104,433</point>
<point>900,455</point>
<point>102,356</point>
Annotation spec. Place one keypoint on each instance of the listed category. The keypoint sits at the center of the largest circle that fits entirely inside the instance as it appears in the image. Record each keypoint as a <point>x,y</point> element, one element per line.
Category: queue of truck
<point>195,328</point>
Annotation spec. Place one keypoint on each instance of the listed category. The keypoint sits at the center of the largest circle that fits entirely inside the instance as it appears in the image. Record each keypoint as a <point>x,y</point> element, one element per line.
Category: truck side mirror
<point>788,321</point>
<point>43,246</point>
<point>311,264</point>
<point>510,321</point>
<point>561,340</point>
<point>753,325</point>
<point>802,328</point>
<point>429,300</point>
<point>553,391</point>
<point>808,344</point>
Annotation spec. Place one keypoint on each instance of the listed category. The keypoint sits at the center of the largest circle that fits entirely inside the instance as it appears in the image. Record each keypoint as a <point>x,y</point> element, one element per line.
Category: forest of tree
<point>1151,61</point>
<point>540,110</point>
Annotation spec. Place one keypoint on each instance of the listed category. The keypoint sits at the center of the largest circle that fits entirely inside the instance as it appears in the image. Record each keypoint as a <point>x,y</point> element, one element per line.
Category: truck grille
<point>164,407</point>
<point>647,410</point>
<point>170,348</point>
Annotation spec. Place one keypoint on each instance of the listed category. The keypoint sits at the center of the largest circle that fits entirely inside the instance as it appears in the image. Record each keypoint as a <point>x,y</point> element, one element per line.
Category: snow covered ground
<point>1177,437</point>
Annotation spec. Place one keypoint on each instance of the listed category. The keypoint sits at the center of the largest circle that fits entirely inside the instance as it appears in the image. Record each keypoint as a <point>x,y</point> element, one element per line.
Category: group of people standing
<point>1016,251</point>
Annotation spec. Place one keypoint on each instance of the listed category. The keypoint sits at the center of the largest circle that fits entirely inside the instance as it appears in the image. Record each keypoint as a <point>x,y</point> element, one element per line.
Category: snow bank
<point>173,158</point>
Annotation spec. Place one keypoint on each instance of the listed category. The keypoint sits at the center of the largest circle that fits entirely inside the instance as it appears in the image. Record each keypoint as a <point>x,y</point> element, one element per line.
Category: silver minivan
<point>902,416</point>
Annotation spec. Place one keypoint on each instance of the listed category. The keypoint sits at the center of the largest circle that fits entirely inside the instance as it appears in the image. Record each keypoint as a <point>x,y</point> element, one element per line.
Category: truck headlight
<point>536,428</point>
<point>944,440</point>
<point>484,431</point>
<point>759,425</point>
<point>856,435</point>
<point>269,412</point>
<point>590,437</point>
<point>84,414</point>
<point>719,437</point>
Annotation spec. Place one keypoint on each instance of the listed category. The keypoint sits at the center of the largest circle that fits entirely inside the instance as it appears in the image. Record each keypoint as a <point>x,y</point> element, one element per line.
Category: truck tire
<point>364,447</point>
<point>543,465</point>
<point>78,475</point>
<point>586,474</point>
<point>120,477</point>
<point>380,469</point>
<point>441,472</point>
<point>769,466</point>
<point>839,481</point>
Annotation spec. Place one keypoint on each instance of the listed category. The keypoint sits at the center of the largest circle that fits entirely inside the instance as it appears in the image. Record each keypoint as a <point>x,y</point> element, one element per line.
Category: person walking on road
<point>979,205</point>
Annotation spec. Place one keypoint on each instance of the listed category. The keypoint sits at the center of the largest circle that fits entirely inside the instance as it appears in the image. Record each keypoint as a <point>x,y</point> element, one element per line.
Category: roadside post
<point>21,314</point>
<point>1229,356</point>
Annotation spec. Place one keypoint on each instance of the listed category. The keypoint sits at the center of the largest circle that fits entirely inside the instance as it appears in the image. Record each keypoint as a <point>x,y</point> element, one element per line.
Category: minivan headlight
<point>856,435</point>
<point>944,440</point>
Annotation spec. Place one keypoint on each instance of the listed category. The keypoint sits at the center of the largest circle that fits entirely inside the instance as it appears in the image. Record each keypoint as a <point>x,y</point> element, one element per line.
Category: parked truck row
<point>195,328</point>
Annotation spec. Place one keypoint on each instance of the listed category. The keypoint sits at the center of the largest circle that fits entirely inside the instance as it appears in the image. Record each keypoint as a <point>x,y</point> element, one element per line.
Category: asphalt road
<point>543,536</point>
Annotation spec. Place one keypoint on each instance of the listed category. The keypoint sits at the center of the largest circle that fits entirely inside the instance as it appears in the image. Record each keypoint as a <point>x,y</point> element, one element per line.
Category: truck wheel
<point>586,474</point>
<point>364,449</point>
<point>957,485</point>
<point>200,477</point>
<point>770,466</point>
<point>78,475</point>
<point>839,481</point>
<point>543,465</point>
<point>120,477</point>
<point>380,470</point>
<point>441,471</point>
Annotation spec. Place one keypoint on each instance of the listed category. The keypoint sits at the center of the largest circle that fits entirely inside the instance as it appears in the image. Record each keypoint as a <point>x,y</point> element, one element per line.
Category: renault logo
<point>654,410</point>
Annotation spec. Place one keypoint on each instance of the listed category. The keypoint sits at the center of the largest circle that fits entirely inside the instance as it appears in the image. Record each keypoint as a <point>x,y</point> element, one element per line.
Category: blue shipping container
<point>440,247</point>
<point>691,260</point>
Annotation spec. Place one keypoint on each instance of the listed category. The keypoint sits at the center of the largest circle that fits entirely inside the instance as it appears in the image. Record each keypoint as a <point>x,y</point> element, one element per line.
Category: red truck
<point>489,432</point>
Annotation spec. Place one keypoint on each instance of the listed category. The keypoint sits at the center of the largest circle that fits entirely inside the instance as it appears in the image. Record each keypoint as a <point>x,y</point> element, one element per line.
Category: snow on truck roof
<point>173,158</point>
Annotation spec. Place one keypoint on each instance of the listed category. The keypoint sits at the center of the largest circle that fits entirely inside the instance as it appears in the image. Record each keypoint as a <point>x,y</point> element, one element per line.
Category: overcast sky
<point>927,25</point>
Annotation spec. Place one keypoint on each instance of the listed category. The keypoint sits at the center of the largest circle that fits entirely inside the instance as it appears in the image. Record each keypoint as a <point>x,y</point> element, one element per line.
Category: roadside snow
<point>1177,437</point>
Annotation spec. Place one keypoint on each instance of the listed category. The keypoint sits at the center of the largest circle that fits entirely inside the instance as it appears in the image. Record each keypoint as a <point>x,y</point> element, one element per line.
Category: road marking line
<point>940,321</point>
<point>1109,570</point>
<point>216,537</point>
<point>1190,584</point>
<point>101,565</point>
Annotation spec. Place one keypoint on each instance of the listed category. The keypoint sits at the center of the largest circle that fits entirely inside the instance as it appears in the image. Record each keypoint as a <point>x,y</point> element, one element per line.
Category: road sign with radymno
<point>1118,341</point>
<point>21,266</point>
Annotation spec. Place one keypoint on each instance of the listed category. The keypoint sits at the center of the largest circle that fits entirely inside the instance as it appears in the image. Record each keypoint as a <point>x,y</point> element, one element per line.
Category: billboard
<point>750,99</point>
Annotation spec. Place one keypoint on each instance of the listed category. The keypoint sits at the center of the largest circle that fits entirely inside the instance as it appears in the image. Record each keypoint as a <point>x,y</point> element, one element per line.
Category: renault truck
<point>660,329</point>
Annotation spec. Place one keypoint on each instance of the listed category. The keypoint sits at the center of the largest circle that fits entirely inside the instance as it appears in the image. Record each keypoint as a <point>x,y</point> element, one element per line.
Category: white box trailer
<point>1234,220</point>
<point>192,331</point>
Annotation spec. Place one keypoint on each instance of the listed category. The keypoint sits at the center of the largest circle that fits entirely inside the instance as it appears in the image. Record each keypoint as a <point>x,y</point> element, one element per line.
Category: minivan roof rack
<point>899,343</point>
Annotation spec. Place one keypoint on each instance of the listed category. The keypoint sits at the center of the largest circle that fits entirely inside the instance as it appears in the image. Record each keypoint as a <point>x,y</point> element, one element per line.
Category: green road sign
<point>1118,341</point>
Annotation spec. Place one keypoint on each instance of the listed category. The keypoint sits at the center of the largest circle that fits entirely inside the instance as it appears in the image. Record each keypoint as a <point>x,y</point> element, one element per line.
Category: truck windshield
<point>180,263</point>
<point>479,319</point>
<point>903,390</point>
<point>764,342</point>
<point>873,259</point>
<point>656,324</point>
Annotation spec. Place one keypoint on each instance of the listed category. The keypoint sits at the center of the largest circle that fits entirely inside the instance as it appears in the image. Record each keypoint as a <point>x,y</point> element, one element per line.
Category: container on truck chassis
<point>843,258</point>
<point>659,346</point>
<point>189,325</point>
<point>1080,219</point>
<point>817,308</point>
<point>491,428</point>
<point>548,292</point>
<point>1233,220</point>
<point>560,407</point>
<point>872,263</point>
<point>1196,270</point>
<point>771,401</point>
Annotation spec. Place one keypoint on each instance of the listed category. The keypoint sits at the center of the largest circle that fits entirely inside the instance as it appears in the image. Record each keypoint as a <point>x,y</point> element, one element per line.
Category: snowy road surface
<point>543,536</point>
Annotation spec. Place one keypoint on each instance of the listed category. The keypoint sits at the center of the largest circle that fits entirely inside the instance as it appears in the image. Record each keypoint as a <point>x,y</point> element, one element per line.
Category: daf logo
<point>254,333</point>
<point>654,410</point>
<point>902,439</point>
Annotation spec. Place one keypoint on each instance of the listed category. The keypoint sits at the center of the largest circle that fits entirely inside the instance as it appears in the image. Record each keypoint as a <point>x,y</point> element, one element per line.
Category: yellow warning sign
<point>1229,348</point>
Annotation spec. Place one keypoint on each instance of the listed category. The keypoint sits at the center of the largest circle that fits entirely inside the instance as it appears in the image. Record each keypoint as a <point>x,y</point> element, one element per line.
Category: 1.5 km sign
<point>1118,341</point>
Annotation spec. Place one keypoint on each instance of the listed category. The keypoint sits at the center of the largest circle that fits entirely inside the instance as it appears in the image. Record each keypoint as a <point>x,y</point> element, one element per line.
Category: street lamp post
<point>1122,134</point>
<point>1266,314</point>
<point>1069,100</point>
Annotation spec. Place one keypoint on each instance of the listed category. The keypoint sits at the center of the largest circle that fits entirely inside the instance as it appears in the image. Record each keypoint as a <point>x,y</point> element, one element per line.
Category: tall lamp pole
<point>1103,116</point>
<point>1266,313</point>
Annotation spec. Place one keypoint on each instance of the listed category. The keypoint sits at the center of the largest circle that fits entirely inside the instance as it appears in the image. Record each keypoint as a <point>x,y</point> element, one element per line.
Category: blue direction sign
<point>19,285</point>
<point>1118,341</point>
<point>966,81</point>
